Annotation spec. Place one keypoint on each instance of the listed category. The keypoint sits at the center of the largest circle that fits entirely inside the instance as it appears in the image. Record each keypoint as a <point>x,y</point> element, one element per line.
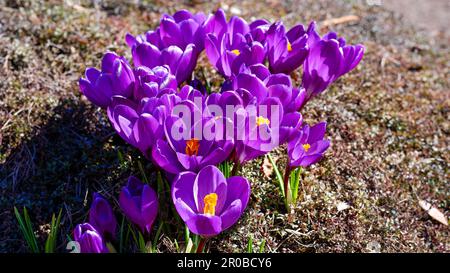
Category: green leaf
<point>250,245</point>
<point>141,243</point>
<point>225,168</point>
<point>141,169</point>
<point>120,156</point>
<point>111,248</point>
<point>121,237</point>
<point>262,246</point>
<point>158,232</point>
<point>27,229</point>
<point>295,183</point>
<point>189,246</point>
<point>50,243</point>
<point>176,245</point>
<point>278,174</point>
<point>186,234</point>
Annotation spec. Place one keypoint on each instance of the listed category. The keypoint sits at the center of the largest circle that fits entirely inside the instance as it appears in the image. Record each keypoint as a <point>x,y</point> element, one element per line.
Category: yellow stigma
<point>289,47</point>
<point>262,120</point>
<point>210,201</point>
<point>236,52</point>
<point>306,147</point>
<point>192,146</point>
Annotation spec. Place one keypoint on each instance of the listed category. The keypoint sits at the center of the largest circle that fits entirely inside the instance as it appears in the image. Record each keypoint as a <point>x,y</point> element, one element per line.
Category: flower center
<point>192,146</point>
<point>210,201</point>
<point>262,120</point>
<point>306,147</point>
<point>236,52</point>
<point>289,47</point>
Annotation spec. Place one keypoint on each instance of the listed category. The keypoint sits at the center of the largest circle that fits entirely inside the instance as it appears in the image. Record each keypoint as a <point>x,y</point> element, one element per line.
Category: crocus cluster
<point>188,130</point>
<point>139,203</point>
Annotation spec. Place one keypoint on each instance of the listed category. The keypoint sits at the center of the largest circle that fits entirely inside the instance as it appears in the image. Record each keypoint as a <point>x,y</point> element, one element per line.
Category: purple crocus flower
<point>258,30</point>
<point>180,61</point>
<point>207,202</point>
<point>308,146</point>
<point>182,29</point>
<point>217,25</point>
<point>115,78</point>
<point>89,239</point>
<point>259,131</point>
<point>141,124</point>
<point>230,45</point>
<point>229,54</point>
<point>286,51</point>
<point>176,153</point>
<point>260,83</point>
<point>101,216</point>
<point>139,203</point>
<point>154,82</point>
<point>328,59</point>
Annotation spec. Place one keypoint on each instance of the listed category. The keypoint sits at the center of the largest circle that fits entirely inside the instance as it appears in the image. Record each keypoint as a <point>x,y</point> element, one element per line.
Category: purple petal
<point>205,225</point>
<point>165,157</point>
<point>210,180</point>
<point>182,195</point>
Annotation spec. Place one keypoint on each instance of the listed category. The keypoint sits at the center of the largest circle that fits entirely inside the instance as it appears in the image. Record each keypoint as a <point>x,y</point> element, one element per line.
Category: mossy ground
<point>388,122</point>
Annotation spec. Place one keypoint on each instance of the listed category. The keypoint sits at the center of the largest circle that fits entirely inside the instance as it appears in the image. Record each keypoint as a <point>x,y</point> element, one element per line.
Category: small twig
<point>339,20</point>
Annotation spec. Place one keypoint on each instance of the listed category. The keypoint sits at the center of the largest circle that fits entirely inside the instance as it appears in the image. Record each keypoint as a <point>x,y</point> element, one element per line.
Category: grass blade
<point>278,174</point>
<point>262,246</point>
<point>27,229</point>
<point>122,225</point>
<point>50,244</point>
<point>250,245</point>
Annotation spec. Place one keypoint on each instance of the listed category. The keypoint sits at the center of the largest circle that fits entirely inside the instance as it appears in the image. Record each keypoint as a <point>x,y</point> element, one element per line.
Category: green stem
<point>287,174</point>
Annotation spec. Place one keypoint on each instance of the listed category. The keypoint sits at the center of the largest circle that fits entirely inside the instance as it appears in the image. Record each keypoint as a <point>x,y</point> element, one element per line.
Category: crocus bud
<point>328,59</point>
<point>89,239</point>
<point>153,82</point>
<point>115,78</point>
<point>101,216</point>
<point>139,203</point>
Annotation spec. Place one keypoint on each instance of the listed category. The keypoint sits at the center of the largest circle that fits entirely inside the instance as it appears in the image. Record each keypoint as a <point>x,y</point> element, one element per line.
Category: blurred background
<point>388,122</point>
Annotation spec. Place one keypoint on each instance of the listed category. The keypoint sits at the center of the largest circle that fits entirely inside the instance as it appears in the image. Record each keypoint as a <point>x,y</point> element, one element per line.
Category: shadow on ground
<point>54,169</point>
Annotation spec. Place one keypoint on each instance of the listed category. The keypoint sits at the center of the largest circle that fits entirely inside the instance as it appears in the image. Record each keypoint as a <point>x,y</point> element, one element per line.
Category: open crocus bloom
<point>260,83</point>
<point>115,79</point>
<point>177,153</point>
<point>309,146</point>
<point>286,51</point>
<point>141,124</point>
<point>229,45</point>
<point>228,54</point>
<point>89,239</point>
<point>207,202</point>
<point>260,131</point>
